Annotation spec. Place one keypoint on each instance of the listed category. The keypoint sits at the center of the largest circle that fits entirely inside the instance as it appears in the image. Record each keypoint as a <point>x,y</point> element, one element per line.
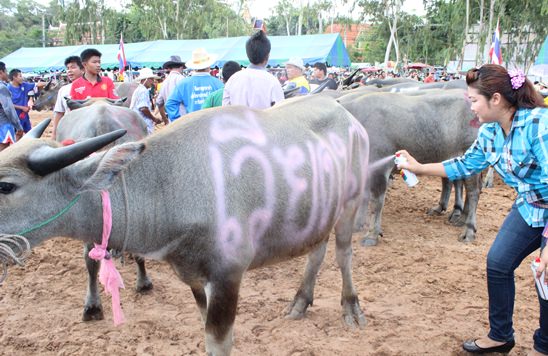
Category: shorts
<point>7,134</point>
<point>26,124</point>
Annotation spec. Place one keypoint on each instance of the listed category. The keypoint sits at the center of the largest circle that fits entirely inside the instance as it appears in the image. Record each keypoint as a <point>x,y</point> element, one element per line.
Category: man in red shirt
<point>92,84</point>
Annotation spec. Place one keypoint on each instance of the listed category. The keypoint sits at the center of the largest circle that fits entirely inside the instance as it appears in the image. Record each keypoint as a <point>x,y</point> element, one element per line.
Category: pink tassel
<point>109,276</point>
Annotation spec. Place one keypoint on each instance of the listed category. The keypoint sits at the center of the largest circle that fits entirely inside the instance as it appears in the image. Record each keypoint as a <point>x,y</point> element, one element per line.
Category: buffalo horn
<point>320,88</point>
<point>37,130</point>
<point>47,159</point>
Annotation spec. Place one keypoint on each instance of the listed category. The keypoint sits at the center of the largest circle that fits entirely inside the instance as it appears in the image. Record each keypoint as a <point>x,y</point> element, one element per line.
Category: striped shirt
<point>521,159</point>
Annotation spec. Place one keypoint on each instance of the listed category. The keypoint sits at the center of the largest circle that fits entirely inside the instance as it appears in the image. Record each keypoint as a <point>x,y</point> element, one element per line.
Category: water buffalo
<point>48,96</point>
<point>240,189</point>
<point>125,90</point>
<point>94,118</point>
<point>434,125</point>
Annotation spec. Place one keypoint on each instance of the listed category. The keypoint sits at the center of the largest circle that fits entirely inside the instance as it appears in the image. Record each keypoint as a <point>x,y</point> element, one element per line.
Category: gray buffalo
<point>125,90</point>
<point>48,96</point>
<point>240,189</point>
<point>94,118</point>
<point>432,125</point>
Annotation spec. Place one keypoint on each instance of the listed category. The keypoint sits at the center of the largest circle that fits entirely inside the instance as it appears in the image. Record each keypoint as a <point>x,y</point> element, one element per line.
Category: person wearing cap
<point>175,67</point>
<point>140,101</point>
<point>254,87</point>
<point>192,91</point>
<point>216,98</point>
<point>295,74</point>
<point>92,84</point>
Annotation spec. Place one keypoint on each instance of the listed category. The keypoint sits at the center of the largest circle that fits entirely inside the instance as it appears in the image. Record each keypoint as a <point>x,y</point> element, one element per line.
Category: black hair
<point>321,66</point>
<point>257,47</point>
<point>2,66</point>
<point>13,73</point>
<point>88,53</point>
<point>74,59</point>
<point>230,68</point>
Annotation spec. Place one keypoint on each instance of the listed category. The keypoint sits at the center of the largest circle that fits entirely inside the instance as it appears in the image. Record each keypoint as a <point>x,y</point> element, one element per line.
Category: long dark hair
<point>492,78</point>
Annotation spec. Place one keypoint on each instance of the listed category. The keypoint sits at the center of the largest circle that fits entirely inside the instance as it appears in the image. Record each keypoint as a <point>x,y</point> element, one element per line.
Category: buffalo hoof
<point>436,211</point>
<point>369,241</point>
<point>297,309</point>
<point>93,312</point>
<point>467,236</point>
<point>352,314</point>
<point>456,217</point>
<point>144,286</point>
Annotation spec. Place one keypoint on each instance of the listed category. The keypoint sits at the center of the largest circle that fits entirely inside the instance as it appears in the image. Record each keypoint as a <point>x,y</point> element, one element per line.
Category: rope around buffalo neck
<point>53,218</point>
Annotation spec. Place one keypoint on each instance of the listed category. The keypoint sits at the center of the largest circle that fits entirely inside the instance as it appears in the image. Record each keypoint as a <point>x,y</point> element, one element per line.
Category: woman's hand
<point>411,164</point>
<point>543,264</point>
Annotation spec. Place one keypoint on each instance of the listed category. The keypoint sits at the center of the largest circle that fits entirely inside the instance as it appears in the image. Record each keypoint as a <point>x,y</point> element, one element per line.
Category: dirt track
<point>422,291</point>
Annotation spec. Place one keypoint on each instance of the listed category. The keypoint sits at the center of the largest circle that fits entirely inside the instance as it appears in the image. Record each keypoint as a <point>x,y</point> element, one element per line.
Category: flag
<point>259,24</point>
<point>495,52</point>
<point>121,56</point>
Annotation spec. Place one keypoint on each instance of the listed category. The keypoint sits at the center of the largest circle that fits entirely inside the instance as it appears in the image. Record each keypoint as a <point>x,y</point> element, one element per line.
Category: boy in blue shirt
<point>20,92</point>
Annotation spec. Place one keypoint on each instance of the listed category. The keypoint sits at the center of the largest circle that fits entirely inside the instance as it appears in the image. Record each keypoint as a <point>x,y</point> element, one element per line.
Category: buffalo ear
<point>113,162</point>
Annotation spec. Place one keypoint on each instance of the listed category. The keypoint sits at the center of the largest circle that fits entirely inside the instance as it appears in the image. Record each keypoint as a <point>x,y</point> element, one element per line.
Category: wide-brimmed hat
<point>201,59</point>
<point>297,62</point>
<point>146,73</point>
<point>173,62</point>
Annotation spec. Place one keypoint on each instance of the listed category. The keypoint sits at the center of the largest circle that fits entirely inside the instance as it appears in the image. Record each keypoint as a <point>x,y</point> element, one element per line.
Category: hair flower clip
<point>517,78</point>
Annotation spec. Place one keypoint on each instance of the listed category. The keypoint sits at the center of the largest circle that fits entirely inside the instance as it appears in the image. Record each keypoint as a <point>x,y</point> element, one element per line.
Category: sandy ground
<point>423,293</point>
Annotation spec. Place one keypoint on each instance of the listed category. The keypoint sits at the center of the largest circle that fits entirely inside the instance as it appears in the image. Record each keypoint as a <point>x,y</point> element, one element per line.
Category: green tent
<point>327,48</point>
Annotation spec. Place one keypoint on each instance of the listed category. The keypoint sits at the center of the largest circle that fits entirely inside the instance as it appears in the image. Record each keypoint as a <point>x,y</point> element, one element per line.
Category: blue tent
<point>327,48</point>
<point>540,67</point>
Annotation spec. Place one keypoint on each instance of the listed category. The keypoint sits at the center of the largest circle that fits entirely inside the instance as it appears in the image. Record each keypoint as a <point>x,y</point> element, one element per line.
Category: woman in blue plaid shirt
<point>514,140</point>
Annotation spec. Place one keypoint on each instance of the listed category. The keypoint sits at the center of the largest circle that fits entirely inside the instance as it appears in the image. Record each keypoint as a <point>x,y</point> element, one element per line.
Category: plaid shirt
<point>521,159</point>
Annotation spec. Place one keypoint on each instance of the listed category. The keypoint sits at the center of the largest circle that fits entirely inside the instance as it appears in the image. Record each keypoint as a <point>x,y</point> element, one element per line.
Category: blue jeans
<point>514,242</point>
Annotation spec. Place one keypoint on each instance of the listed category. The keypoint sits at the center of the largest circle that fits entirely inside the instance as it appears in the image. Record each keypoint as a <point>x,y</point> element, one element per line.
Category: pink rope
<point>109,276</point>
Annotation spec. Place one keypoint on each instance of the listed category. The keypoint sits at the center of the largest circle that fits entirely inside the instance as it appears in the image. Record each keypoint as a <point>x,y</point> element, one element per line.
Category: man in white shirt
<point>175,67</point>
<point>254,87</point>
<point>140,101</point>
<point>75,69</point>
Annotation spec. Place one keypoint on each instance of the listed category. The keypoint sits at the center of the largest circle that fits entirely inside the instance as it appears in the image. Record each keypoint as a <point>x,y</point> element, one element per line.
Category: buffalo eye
<point>7,188</point>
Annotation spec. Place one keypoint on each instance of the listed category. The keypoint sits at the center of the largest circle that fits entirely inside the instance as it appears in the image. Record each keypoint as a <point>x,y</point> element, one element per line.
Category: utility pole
<point>43,30</point>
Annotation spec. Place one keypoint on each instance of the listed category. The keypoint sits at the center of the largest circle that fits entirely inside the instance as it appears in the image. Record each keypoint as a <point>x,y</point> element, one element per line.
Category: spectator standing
<point>175,67</point>
<point>320,77</point>
<point>216,98</point>
<point>92,84</point>
<point>192,91</point>
<point>75,69</point>
<point>295,69</point>
<point>429,78</point>
<point>254,86</point>
<point>20,92</point>
<point>140,101</point>
<point>10,125</point>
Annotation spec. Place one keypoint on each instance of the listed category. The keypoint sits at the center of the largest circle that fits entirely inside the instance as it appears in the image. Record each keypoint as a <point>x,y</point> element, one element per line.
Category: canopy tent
<point>327,48</point>
<point>540,67</point>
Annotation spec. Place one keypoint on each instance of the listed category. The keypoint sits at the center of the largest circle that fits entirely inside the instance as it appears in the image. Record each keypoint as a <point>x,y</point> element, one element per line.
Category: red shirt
<point>82,88</point>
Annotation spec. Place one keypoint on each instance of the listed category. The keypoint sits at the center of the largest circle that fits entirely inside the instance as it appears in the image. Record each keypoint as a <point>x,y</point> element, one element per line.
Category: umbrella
<point>419,65</point>
<point>540,67</point>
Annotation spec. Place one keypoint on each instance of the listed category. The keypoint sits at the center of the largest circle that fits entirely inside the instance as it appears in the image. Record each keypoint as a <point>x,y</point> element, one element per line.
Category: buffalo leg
<point>489,177</point>
<point>201,301</point>
<point>305,293</point>
<point>352,313</point>
<point>222,302</point>
<point>378,185</point>
<point>143,282</point>
<point>458,208</point>
<point>93,310</point>
<point>446,187</point>
<point>473,190</point>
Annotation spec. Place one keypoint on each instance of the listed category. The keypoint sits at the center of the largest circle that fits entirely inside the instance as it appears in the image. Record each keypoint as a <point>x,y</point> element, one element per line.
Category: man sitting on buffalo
<point>140,101</point>
<point>75,69</point>
<point>320,77</point>
<point>9,122</point>
<point>295,74</point>
<point>92,84</point>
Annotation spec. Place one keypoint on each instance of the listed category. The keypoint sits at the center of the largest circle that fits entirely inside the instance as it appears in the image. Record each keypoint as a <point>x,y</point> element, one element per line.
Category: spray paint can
<point>541,286</point>
<point>409,177</point>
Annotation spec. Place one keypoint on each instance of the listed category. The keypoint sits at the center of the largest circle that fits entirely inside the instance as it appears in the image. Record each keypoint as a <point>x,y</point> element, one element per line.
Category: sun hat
<point>146,73</point>
<point>201,59</point>
<point>173,62</point>
<point>297,62</point>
